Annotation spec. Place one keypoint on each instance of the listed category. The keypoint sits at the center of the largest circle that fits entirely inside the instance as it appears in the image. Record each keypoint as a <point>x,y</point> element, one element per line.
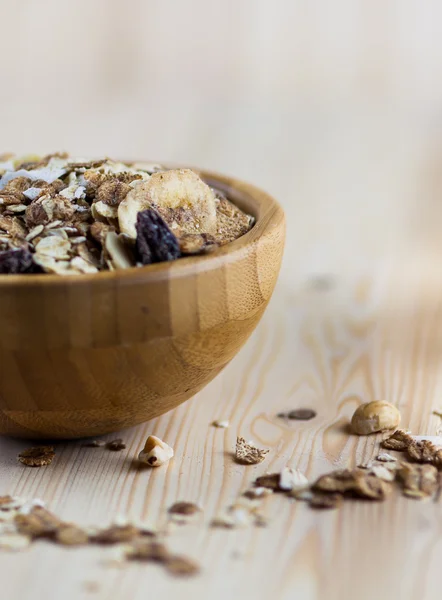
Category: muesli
<point>70,216</point>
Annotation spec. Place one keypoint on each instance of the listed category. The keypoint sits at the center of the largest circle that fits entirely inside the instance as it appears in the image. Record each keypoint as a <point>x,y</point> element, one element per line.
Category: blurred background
<point>333,107</point>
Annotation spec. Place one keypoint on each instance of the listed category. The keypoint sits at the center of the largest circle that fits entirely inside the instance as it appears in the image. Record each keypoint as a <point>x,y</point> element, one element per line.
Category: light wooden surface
<point>90,355</point>
<point>334,108</point>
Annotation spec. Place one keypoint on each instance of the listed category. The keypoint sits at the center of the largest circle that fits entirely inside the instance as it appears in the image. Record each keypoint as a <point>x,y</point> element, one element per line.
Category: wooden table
<point>324,344</point>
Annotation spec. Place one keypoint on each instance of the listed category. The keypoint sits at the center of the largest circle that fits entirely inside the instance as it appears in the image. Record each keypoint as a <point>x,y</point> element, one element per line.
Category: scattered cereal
<point>247,453</point>
<point>38,456</point>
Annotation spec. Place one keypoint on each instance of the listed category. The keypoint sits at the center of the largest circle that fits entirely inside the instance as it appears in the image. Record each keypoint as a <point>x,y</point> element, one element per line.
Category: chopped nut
<point>155,452</point>
<point>16,261</point>
<point>221,424</point>
<point>422,452</point>
<point>116,445</point>
<point>247,453</point>
<point>37,457</point>
<point>375,416</point>
<point>155,242</point>
<point>400,440</point>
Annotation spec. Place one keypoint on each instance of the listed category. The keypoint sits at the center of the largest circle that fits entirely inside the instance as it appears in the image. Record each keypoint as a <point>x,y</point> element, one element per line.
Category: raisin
<point>155,241</point>
<point>17,261</point>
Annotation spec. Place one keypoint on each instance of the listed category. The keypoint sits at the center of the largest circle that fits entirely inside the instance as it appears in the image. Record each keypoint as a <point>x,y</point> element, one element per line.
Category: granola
<point>37,456</point>
<point>70,216</point>
<point>247,453</point>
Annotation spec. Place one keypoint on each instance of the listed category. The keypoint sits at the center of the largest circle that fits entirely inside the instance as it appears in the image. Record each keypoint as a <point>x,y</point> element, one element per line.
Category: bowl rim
<point>268,215</point>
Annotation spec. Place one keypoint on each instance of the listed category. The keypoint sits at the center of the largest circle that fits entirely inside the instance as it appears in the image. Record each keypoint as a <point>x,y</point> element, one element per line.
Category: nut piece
<point>400,440</point>
<point>155,452</point>
<point>372,417</point>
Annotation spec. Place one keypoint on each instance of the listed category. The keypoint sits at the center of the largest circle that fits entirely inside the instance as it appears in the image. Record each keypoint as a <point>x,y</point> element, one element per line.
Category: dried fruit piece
<point>116,445</point>
<point>302,414</point>
<point>180,196</point>
<point>247,453</point>
<point>37,456</point>
<point>400,440</point>
<point>372,417</point>
<point>16,261</point>
<point>155,242</point>
<point>155,452</point>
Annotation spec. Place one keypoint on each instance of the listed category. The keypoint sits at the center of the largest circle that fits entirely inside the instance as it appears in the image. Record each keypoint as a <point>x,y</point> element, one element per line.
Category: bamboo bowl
<point>91,354</point>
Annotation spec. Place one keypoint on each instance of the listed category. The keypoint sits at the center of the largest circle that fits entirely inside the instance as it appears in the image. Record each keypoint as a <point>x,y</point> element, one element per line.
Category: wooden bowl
<point>91,354</point>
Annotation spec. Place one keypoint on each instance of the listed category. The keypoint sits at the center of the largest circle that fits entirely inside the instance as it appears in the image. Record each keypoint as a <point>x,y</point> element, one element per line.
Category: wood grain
<point>89,355</point>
